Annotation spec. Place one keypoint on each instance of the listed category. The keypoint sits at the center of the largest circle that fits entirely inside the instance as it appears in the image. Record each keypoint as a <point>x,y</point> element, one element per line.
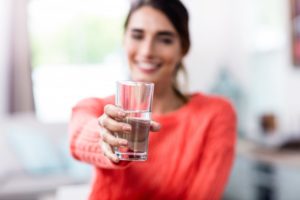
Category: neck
<point>165,101</point>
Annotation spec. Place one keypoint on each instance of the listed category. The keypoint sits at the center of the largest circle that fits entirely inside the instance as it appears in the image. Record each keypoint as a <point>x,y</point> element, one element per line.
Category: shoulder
<point>212,104</point>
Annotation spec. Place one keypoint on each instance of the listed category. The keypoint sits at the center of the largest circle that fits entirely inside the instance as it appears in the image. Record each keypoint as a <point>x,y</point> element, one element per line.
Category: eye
<point>137,36</point>
<point>166,40</point>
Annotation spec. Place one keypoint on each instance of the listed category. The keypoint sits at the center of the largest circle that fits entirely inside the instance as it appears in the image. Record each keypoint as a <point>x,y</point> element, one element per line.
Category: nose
<point>147,48</point>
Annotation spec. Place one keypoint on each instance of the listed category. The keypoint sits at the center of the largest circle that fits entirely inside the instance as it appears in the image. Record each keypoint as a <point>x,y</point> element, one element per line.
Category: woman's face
<point>152,45</point>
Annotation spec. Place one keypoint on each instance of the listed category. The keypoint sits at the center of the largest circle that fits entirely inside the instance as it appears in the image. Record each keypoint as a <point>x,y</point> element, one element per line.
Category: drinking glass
<point>135,98</point>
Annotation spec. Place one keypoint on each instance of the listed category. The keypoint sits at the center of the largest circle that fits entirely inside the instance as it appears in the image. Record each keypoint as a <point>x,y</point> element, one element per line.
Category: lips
<point>148,67</point>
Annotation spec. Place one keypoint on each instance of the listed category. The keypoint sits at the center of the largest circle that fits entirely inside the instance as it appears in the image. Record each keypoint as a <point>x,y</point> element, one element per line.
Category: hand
<point>110,122</point>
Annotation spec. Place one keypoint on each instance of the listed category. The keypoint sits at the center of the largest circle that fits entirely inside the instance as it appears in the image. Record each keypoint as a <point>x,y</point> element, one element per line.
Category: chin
<point>143,78</point>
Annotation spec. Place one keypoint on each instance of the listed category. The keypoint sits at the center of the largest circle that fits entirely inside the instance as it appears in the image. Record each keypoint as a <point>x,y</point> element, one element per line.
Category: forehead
<point>151,19</point>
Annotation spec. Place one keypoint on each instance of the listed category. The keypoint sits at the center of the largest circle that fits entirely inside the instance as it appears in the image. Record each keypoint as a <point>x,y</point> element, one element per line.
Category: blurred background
<point>54,53</point>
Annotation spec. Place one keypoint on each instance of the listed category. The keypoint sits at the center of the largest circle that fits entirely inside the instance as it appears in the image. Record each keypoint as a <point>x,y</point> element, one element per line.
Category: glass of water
<point>135,98</point>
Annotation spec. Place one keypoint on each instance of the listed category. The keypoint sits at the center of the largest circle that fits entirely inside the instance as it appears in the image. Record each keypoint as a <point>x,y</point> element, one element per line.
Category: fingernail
<point>127,128</point>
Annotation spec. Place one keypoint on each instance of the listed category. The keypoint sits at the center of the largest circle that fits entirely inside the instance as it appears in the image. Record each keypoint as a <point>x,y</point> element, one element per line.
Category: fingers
<point>110,118</point>
<point>108,141</point>
<point>112,125</point>
<point>107,137</point>
<point>114,112</point>
<point>154,126</point>
<point>107,151</point>
<point>115,126</point>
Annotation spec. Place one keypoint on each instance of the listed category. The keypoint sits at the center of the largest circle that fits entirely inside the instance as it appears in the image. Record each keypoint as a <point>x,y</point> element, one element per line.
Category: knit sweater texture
<point>189,158</point>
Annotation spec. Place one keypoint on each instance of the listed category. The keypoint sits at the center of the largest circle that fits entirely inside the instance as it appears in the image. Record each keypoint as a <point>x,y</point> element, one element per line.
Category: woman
<point>190,157</point>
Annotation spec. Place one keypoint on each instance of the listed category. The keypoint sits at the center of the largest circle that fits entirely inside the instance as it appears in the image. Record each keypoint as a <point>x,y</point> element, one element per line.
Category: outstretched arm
<point>85,136</point>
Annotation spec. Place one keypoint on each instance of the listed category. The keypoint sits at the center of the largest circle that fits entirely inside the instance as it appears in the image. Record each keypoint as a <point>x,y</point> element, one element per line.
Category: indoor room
<point>55,53</point>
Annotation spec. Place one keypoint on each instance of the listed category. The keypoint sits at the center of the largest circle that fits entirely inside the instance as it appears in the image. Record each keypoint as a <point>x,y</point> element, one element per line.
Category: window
<point>76,52</point>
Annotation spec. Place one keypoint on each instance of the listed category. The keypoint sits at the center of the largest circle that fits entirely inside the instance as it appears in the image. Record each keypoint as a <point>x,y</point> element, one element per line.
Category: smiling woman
<point>153,47</point>
<point>191,155</point>
<point>150,44</point>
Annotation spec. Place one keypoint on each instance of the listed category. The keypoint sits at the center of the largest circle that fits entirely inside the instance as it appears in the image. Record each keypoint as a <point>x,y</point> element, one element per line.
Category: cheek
<point>173,58</point>
<point>128,46</point>
<point>130,52</point>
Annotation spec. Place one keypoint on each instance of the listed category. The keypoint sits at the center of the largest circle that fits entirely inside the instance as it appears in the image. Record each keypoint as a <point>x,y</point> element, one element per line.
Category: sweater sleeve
<point>218,155</point>
<point>84,134</point>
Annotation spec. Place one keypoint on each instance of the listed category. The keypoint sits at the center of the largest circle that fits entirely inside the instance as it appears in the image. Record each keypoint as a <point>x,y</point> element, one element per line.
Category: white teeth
<point>144,65</point>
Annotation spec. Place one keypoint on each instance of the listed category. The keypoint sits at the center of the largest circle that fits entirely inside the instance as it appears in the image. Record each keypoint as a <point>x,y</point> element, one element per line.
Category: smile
<point>148,67</point>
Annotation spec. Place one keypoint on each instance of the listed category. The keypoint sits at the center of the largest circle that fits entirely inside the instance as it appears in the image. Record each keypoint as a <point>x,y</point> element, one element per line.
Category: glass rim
<point>134,83</point>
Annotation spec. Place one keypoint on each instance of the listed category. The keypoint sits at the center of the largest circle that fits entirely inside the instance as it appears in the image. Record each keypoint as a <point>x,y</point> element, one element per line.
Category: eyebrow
<point>166,33</point>
<point>136,30</point>
<point>160,33</point>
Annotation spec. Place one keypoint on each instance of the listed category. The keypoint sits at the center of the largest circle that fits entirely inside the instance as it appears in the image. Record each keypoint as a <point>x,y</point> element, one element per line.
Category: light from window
<point>76,52</point>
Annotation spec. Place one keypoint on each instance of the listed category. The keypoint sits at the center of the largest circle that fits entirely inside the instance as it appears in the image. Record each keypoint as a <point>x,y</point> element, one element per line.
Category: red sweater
<point>189,158</point>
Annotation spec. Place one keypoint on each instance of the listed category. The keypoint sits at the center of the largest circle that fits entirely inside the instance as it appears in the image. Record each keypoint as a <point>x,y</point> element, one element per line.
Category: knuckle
<point>107,108</point>
<point>105,149</point>
<point>104,137</point>
<point>112,125</point>
<point>109,156</point>
<point>104,121</point>
<point>112,140</point>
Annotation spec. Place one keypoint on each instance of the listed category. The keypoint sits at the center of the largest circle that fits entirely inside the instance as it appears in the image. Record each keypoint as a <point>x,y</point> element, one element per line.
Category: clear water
<point>137,139</point>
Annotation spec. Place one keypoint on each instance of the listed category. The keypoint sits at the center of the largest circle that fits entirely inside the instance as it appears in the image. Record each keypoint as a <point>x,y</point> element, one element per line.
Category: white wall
<point>217,40</point>
<point>4,9</point>
<point>236,33</point>
<point>291,73</point>
<point>274,82</point>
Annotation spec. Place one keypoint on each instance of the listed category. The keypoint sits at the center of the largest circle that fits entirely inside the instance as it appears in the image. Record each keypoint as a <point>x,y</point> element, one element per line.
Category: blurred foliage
<point>84,40</point>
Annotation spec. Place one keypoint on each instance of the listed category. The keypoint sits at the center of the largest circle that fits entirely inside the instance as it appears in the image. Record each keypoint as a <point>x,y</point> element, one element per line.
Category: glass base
<point>132,156</point>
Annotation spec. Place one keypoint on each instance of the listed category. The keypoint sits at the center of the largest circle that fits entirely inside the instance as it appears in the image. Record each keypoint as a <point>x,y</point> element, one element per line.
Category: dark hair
<point>176,12</point>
